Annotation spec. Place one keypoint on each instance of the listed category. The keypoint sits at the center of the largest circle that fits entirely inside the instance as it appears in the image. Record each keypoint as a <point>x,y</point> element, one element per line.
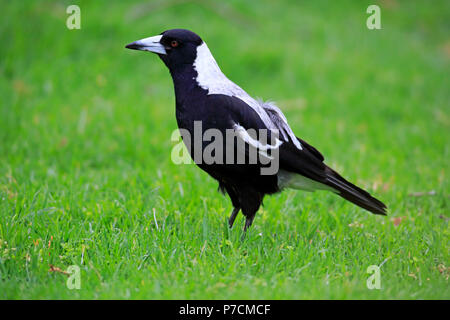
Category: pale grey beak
<point>151,44</point>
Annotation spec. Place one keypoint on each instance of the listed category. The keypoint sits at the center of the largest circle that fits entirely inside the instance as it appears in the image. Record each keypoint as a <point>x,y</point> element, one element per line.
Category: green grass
<point>86,177</point>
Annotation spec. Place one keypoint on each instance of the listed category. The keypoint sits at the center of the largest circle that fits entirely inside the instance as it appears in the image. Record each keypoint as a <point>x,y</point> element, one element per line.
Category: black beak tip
<point>132,46</point>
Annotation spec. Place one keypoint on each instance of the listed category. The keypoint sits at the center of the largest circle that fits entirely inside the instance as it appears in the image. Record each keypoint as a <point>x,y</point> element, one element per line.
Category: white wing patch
<point>253,142</point>
<point>280,121</point>
<point>262,148</point>
<point>211,78</point>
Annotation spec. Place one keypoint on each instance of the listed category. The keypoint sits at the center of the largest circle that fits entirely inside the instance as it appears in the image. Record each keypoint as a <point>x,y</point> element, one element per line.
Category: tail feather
<point>354,194</point>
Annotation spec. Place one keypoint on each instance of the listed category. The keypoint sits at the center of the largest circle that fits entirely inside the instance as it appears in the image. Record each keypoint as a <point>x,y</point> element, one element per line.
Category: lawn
<point>86,176</point>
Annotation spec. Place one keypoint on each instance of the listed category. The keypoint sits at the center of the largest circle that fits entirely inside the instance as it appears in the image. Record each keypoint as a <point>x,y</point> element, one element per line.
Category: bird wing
<point>280,121</point>
<point>301,162</point>
<point>231,112</point>
<point>295,154</point>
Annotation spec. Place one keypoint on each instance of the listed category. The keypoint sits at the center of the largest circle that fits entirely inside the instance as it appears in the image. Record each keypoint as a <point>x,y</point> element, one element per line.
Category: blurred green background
<point>86,177</point>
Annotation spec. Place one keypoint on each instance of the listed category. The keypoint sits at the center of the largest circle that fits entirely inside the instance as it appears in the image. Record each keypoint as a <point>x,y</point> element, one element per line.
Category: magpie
<point>204,94</point>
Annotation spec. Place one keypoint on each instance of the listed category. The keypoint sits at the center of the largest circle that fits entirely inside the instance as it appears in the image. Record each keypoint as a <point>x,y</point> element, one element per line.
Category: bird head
<point>175,47</point>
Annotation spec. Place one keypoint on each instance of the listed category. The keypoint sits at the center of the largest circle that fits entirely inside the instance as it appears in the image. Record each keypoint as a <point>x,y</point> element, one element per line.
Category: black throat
<point>185,85</point>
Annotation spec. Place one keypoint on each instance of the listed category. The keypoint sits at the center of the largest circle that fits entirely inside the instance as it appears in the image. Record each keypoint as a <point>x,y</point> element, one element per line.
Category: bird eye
<point>174,43</point>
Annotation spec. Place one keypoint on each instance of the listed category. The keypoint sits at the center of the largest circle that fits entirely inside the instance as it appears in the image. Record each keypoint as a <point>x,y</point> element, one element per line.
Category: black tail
<point>353,193</point>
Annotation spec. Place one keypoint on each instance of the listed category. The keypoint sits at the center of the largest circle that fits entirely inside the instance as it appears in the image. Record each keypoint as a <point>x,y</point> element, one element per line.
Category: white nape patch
<point>211,78</point>
<point>293,180</point>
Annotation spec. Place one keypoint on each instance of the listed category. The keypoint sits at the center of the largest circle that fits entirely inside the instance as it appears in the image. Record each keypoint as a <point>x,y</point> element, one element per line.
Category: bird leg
<point>248,222</point>
<point>233,216</point>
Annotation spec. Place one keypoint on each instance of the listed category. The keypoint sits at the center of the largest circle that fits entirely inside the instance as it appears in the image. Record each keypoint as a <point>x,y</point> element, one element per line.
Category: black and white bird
<point>203,93</point>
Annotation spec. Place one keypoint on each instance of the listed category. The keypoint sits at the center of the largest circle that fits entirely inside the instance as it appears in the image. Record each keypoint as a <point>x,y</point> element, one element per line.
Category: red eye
<point>174,43</point>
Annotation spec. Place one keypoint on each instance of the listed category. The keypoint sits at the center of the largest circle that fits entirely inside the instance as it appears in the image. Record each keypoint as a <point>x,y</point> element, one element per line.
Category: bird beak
<point>151,44</point>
